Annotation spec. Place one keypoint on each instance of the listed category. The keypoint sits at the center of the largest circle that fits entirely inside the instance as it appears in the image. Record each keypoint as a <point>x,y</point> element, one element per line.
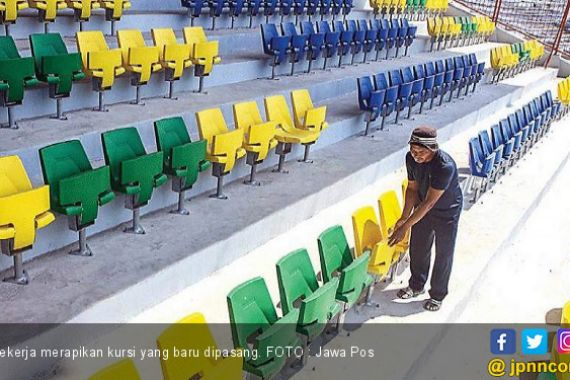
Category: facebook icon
<point>503,342</point>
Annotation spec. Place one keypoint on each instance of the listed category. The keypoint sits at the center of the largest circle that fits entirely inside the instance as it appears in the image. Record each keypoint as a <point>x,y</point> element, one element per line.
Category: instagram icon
<point>564,341</point>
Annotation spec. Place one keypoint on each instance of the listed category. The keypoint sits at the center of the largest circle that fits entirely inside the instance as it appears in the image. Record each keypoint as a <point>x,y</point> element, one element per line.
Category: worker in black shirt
<point>432,207</point>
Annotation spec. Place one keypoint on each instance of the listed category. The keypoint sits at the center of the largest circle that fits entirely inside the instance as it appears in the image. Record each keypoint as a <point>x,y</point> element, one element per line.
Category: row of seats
<point>307,306</point>
<point>412,8</point>
<point>557,357</point>
<point>509,60</point>
<point>47,9</point>
<point>270,8</point>
<point>385,93</point>
<point>75,189</point>
<point>563,97</point>
<point>340,39</point>
<point>53,64</point>
<point>459,30</point>
<point>491,154</point>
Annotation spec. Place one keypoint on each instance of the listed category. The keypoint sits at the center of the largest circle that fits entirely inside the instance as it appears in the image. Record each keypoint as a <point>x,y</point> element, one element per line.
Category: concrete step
<point>329,87</point>
<point>178,251</point>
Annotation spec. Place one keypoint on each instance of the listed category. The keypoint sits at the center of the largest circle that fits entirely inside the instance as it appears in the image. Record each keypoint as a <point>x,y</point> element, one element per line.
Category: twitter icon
<point>534,342</point>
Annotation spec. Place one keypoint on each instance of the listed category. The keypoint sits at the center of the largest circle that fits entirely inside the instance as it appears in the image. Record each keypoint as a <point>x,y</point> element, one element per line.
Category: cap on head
<point>425,136</point>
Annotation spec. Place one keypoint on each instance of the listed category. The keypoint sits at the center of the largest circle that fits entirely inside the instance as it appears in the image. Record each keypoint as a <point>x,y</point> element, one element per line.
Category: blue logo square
<point>503,342</point>
<point>534,342</point>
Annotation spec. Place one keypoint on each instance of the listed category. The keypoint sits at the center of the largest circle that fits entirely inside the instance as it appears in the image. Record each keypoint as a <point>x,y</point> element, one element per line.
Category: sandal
<point>432,305</point>
<point>408,293</point>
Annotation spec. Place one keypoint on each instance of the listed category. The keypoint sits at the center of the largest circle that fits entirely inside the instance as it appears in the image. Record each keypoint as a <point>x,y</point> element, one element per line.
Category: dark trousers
<point>444,232</point>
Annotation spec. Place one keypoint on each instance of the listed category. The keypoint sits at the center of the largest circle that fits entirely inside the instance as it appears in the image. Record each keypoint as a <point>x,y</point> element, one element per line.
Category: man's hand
<point>398,235</point>
<point>399,223</point>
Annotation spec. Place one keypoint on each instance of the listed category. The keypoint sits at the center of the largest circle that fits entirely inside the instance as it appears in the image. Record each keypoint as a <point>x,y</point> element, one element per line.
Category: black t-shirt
<point>441,174</point>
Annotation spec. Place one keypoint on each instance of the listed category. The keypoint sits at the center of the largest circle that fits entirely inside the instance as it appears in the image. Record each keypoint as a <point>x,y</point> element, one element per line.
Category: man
<point>432,207</point>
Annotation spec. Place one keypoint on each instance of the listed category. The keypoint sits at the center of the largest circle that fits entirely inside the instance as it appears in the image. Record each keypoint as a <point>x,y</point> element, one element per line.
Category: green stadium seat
<point>133,172</point>
<point>298,286</point>
<point>255,325</point>
<point>183,159</point>
<point>76,189</point>
<point>337,261</point>
<point>16,73</point>
<point>55,66</point>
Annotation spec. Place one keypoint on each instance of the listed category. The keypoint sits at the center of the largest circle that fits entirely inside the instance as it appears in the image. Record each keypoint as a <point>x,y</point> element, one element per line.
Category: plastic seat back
<point>211,123</point>
<point>390,211</point>
<point>296,278</point>
<point>49,8</point>
<point>53,61</point>
<point>136,55</point>
<point>11,8</point>
<point>303,108</point>
<point>367,232</point>
<point>75,188</point>
<point>334,252</point>
<point>98,59</point>
<point>380,81</point>
<point>395,78</point>
<point>124,370</point>
<point>23,209</point>
<point>276,110</point>
<point>181,156</point>
<point>15,71</point>
<point>130,164</point>
<point>420,71</point>
<point>172,54</point>
<point>114,8</point>
<point>365,90</point>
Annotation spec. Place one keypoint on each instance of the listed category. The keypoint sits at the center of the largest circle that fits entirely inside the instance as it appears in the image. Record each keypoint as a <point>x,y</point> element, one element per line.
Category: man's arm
<point>410,200</point>
<point>419,212</point>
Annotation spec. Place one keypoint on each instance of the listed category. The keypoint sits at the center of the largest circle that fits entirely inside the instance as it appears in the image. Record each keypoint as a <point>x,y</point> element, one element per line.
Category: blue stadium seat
<point>381,37</point>
<point>427,91</point>
<point>194,8</point>
<point>269,9</point>
<point>391,37</point>
<point>253,7</point>
<point>325,8</point>
<point>370,38</point>
<point>370,100</point>
<point>404,93</point>
<point>415,95</point>
<point>481,166</point>
<point>299,8</point>
<point>438,84</point>
<point>332,41</point>
<point>216,9</point>
<point>358,37</point>
<point>316,42</point>
<point>336,8</point>
<point>236,9</point>
<point>508,145</point>
<point>274,45</point>
<point>285,7</point>
<point>312,6</point>
<point>395,77</point>
<point>509,135</point>
<point>407,74</point>
<point>430,69</point>
<point>488,148</point>
<point>346,7</point>
<point>447,81</point>
<point>298,46</point>
<point>420,71</point>
<point>346,41</point>
<point>380,81</point>
<point>389,103</point>
<point>402,34</point>
<point>411,36</point>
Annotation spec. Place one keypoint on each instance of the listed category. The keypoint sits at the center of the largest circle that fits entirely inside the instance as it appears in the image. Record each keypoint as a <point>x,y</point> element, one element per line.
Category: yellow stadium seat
<point>191,334</point>
<point>99,62</point>
<point>368,238</point>
<point>9,11</point>
<point>436,32</point>
<point>390,213</point>
<point>276,110</point>
<point>82,9</point>
<point>259,136</point>
<point>204,53</point>
<point>174,56</point>
<point>47,9</point>
<point>224,146</point>
<point>114,10</point>
<point>23,210</point>
<point>122,370</point>
<point>306,115</point>
<point>140,60</point>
